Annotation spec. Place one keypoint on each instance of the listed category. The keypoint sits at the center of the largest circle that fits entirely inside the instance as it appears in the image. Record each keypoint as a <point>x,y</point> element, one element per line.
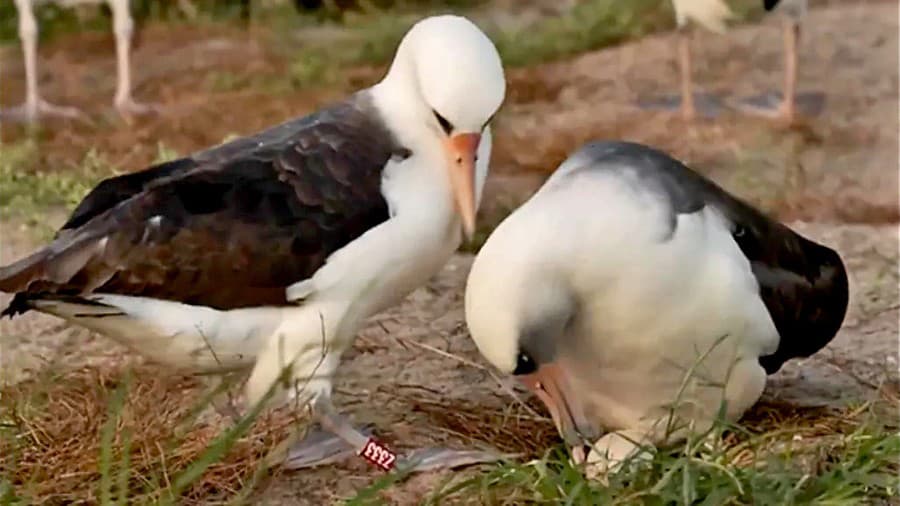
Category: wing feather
<point>229,227</point>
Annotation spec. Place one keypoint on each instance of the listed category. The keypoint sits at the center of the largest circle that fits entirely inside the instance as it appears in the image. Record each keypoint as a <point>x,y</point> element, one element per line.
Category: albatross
<point>713,15</point>
<point>633,296</point>
<point>270,251</point>
<point>34,105</point>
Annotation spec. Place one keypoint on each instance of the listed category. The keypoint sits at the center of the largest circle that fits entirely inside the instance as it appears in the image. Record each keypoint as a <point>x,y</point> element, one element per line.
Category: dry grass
<point>93,434</point>
<point>54,449</point>
<point>513,430</point>
<point>516,431</point>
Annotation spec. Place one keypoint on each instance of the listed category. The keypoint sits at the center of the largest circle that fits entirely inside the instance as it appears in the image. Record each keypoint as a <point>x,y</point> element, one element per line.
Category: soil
<point>834,178</point>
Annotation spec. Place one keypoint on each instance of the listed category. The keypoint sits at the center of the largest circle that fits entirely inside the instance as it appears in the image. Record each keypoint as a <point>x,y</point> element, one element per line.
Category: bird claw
<point>128,108</point>
<point>31,111</point>
<point>767,105</point>
<point>705,105</point>
<point>773,106</point>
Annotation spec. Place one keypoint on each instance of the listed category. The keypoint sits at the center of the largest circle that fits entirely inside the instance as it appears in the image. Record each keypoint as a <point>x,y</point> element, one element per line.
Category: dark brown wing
<point>228,227</point>
<point>803,284</point>
<point>114,190</point>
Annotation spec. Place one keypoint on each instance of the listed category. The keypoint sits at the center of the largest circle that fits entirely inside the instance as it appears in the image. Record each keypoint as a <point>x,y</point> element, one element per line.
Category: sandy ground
<point>834,179</point>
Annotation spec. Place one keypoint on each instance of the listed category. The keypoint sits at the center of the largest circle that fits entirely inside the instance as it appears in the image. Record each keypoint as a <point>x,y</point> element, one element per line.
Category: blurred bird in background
<point>713,15</point>
<point>34,105</point>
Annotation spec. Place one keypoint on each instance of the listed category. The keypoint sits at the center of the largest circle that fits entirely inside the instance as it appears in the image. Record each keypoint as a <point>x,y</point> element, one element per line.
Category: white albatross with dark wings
<point>639,301</point>
<point>273,249</point>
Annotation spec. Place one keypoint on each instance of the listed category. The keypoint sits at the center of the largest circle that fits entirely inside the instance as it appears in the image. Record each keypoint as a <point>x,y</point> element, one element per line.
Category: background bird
<point>713,15</point>
<point>784,107</point>
<point>35,105</point>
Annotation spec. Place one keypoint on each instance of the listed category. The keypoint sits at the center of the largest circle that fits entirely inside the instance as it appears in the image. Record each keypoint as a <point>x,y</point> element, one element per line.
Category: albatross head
<point>450,77</point>
<point>523,319</point>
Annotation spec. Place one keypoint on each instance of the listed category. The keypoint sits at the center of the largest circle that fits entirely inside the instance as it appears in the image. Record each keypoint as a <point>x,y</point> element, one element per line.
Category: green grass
<point>54,20</point>
<point>590,25</point>
<point>27,195</point>
<point>857,467</point>
<point>372,38</point>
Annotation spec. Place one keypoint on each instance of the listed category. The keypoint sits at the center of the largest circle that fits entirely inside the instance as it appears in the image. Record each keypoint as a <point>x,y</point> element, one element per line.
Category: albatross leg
<point>690,104</point>
<point>123,26</point>
<point>787,110</point>
<point>338,440</point>
<point>688,109</point>
<point>34,106</point>
<point>784,107</point>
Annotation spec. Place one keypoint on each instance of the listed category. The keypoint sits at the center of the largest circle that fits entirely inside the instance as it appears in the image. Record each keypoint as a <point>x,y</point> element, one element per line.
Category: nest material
<point>52,432</point>
<point>51,443</point>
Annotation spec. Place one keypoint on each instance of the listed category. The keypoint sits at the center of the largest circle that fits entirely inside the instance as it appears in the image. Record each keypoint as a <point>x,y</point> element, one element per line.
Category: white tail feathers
<point>193,338</point>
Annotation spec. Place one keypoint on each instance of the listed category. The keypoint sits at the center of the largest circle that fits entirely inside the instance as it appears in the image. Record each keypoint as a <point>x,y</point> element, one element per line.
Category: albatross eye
<point>524,364</point>
<point>446,125</point>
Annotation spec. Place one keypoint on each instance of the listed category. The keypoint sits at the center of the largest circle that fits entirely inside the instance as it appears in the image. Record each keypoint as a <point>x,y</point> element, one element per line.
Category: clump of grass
<point>779,454</point>
<point>368,39</point>
<point>25,192</point>
<point>53,19</point>
<point>592,25</point>
<point>589,25</point>
<point>27,195</point>
<point>372,38</point>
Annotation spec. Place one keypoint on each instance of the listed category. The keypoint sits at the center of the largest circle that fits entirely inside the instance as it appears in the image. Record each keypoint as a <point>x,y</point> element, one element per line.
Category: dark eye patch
<point>446,125</point>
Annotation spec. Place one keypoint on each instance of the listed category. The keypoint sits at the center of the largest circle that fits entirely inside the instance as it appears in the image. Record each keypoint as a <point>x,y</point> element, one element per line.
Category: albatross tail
<point>51,270</point>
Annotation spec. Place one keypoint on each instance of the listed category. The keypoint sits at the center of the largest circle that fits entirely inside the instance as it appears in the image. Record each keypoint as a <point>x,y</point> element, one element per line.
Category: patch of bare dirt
<point>211,82</point>
<point>840,165</point>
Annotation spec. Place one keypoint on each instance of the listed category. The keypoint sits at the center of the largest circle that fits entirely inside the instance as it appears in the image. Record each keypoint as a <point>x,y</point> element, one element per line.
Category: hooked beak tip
<point>462,152</point>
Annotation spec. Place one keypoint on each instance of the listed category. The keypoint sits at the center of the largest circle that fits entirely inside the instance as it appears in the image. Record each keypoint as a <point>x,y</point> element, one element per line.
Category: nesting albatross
<point>273,249</point>
<point>633,296</point>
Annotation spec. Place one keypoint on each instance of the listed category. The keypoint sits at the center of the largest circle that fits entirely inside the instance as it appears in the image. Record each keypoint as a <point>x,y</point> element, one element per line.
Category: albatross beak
<point>549,383</point>
<point>461,152</point>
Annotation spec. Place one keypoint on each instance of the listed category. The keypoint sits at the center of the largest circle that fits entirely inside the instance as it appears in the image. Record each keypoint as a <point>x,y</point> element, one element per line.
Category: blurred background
<point>576,68</point>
